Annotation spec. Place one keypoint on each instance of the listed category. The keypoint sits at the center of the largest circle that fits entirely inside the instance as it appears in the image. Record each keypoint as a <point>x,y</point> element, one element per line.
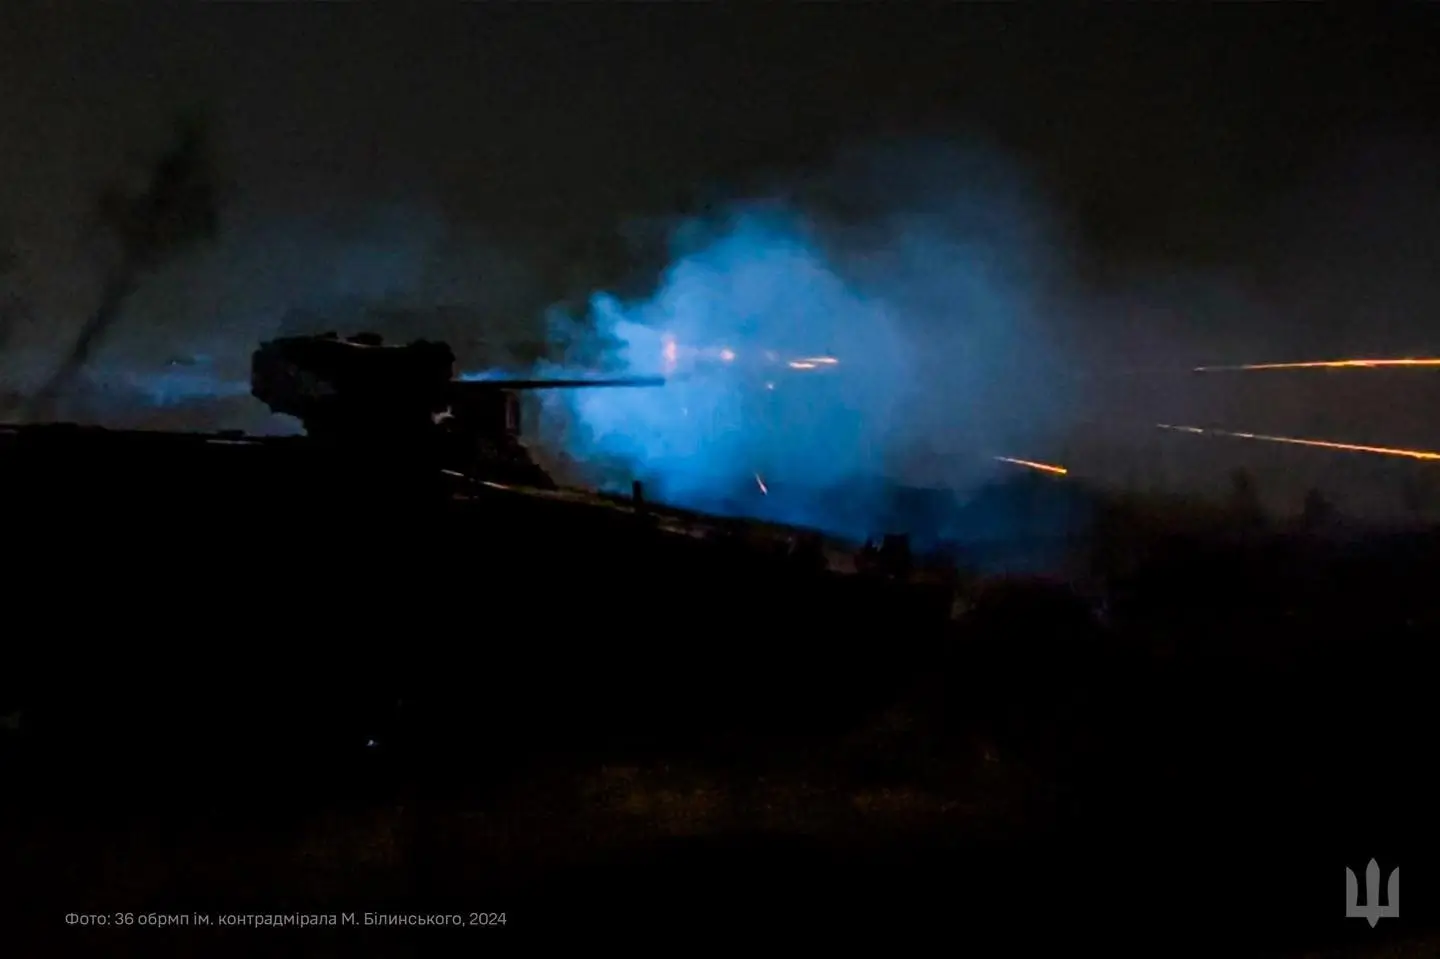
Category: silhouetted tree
<point>178,208</point>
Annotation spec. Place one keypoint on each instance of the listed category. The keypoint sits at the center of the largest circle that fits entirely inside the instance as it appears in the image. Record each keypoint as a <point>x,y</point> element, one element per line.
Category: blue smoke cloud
<point>817,358</point>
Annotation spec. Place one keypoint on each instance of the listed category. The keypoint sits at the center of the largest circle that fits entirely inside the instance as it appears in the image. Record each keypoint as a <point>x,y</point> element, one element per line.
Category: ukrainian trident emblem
<point>1372,910</point>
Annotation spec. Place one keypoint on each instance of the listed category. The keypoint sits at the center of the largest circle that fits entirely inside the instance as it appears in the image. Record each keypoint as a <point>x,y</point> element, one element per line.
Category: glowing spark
<point>761,483</point>
<point>1043,467</point>
<point>819,360</point>
<point>670,353</point>
<point>802,365</point>
<point>769,386</point>
<point>1321,365</point>
<point>727,355</point>
<point>1322,444</point>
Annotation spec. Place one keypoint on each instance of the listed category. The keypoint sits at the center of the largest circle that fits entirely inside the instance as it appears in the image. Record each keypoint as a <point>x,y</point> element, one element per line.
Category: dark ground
<point>602,736</point>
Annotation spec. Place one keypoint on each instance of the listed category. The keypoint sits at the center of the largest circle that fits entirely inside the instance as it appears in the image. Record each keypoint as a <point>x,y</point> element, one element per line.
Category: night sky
<point>1225,183</point>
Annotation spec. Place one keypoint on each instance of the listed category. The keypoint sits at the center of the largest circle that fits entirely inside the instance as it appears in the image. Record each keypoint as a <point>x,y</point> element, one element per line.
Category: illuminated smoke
<point>832,357</point>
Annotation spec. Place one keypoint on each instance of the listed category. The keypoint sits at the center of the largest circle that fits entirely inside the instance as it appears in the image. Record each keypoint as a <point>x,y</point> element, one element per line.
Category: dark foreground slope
<point>263,593</point>
<point>602,728</point>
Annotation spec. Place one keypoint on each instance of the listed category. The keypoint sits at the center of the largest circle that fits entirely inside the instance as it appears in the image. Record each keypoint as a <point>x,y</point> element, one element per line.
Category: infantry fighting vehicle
<point>227,597</point>
<point>406,402</point>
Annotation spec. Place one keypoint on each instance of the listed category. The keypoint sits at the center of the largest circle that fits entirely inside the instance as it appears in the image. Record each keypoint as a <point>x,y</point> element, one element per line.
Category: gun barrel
<point>568,384</point>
